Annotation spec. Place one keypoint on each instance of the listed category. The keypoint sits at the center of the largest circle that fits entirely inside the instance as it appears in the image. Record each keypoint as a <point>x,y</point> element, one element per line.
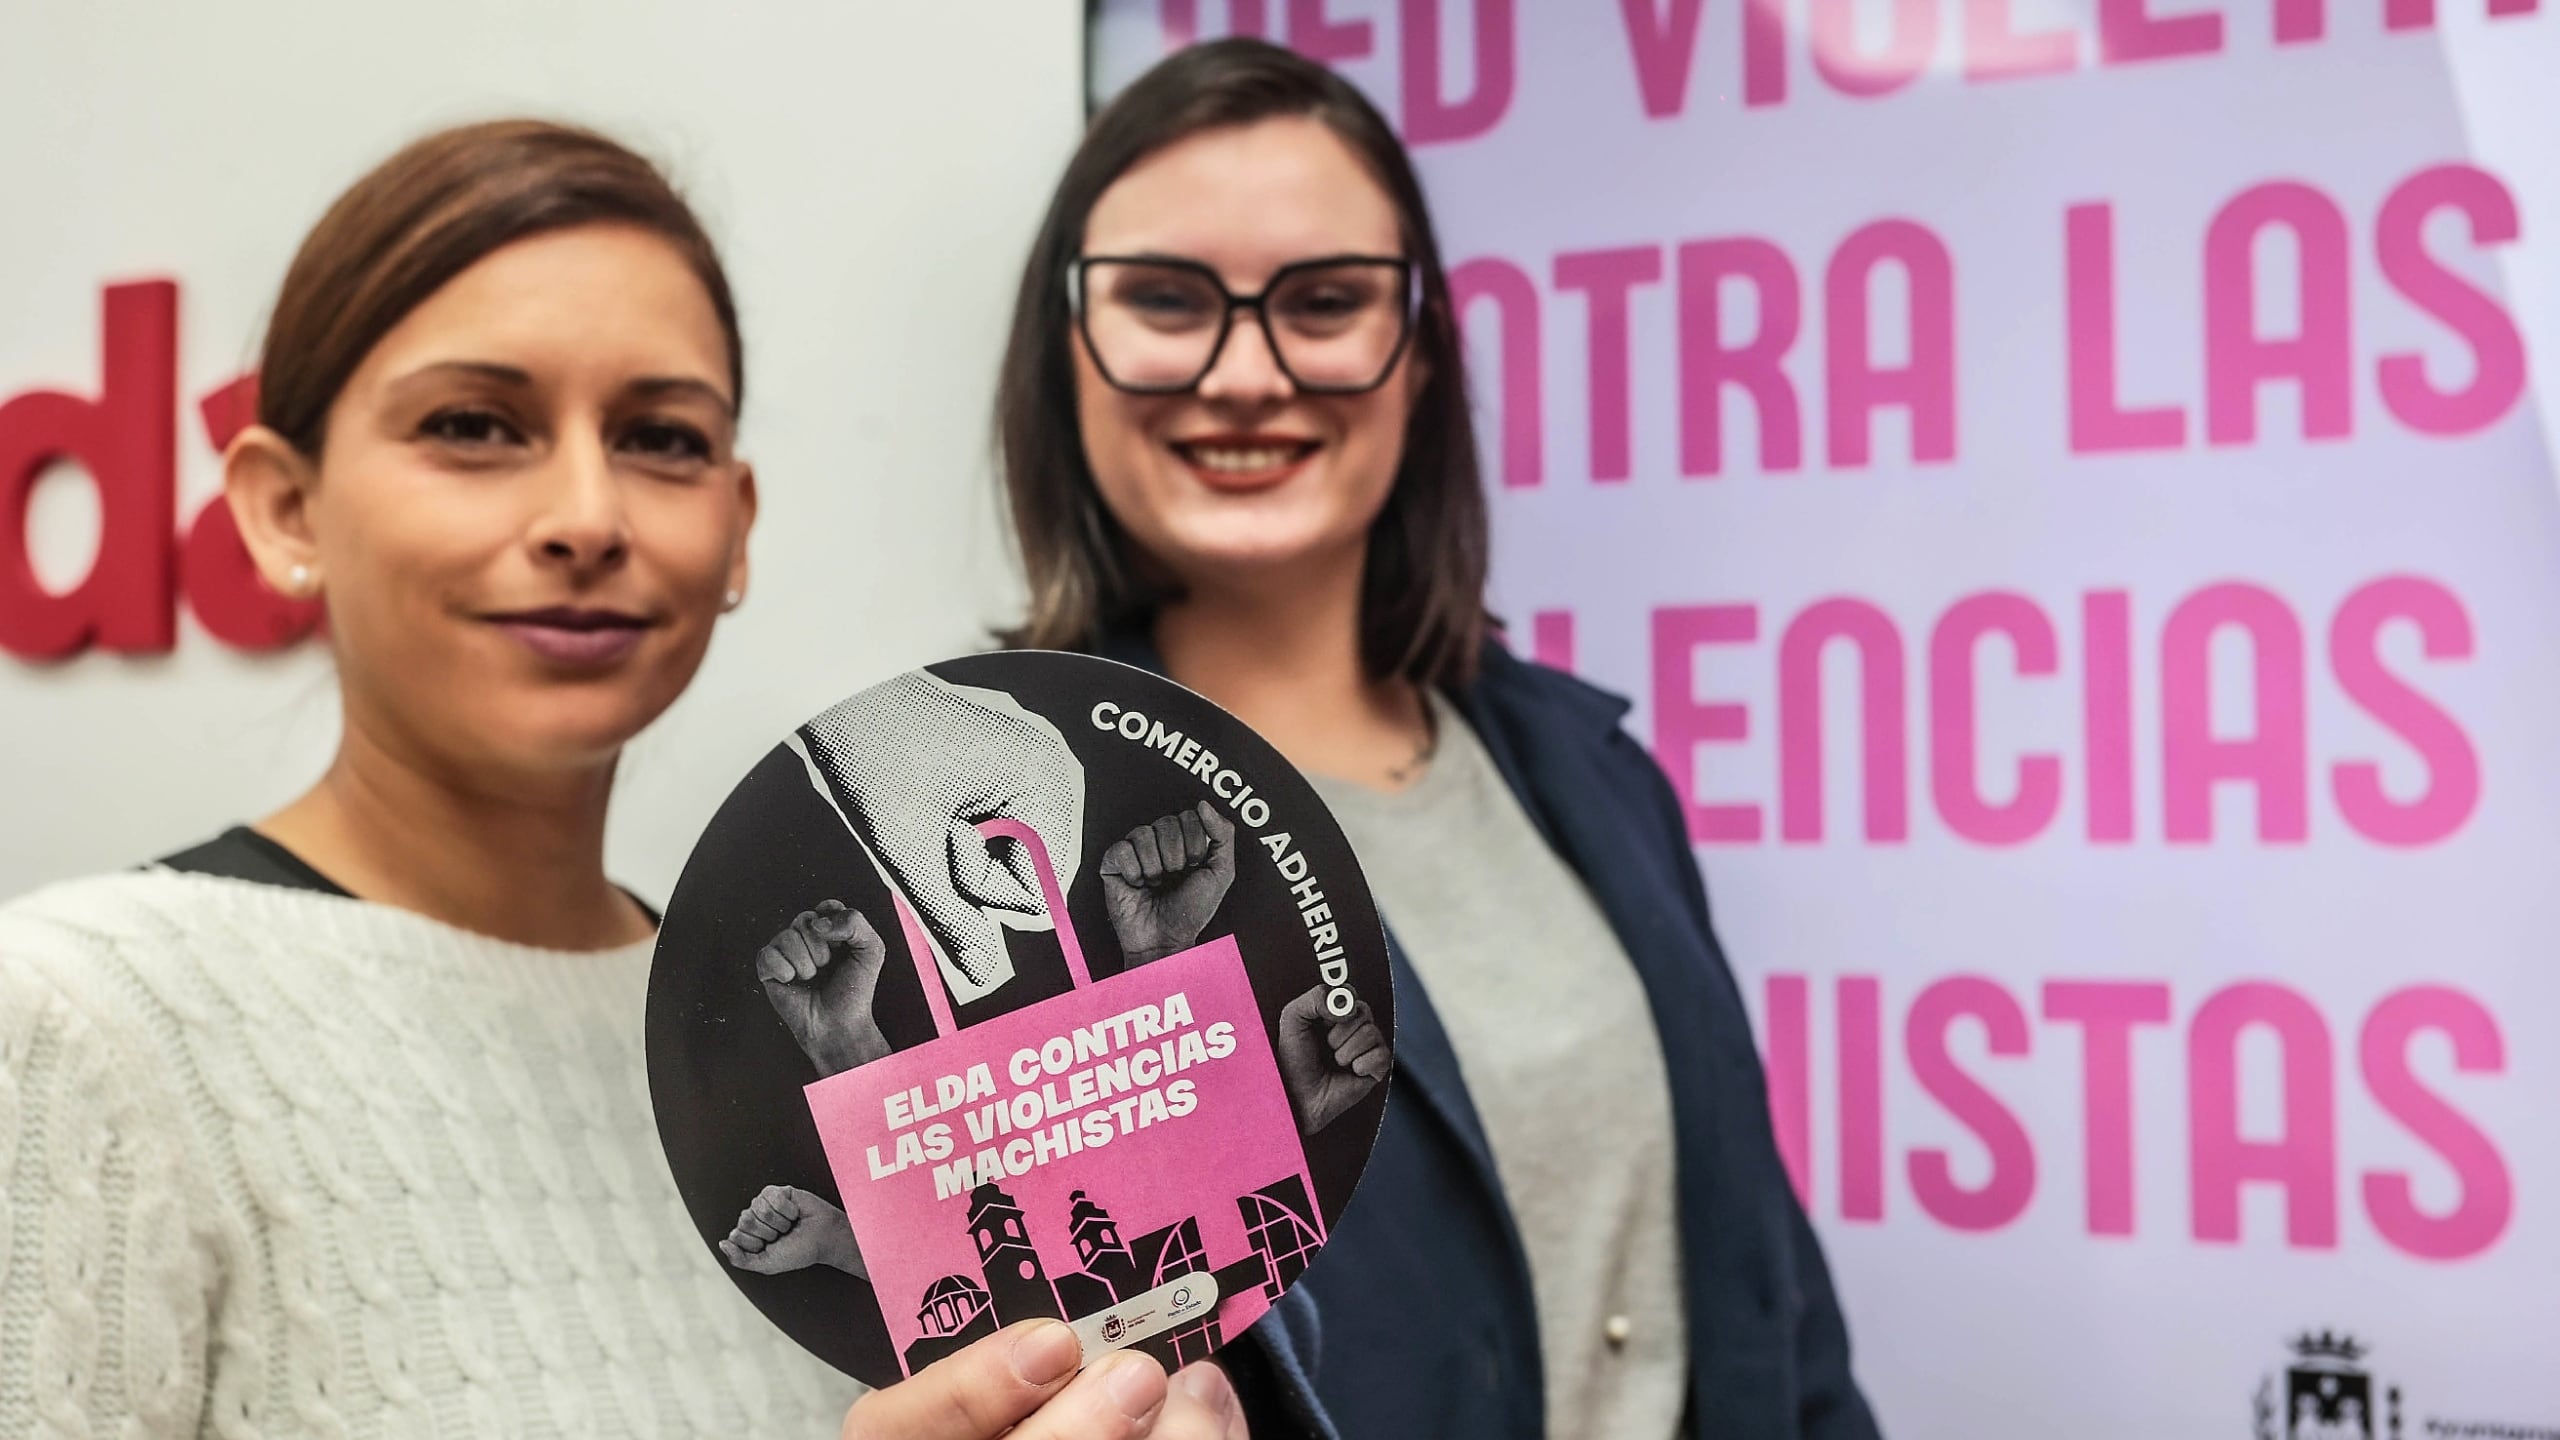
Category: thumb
<point>1009,883</point>
<point>869,955</point>
<point>952,915</point>
<point>1220,828</point>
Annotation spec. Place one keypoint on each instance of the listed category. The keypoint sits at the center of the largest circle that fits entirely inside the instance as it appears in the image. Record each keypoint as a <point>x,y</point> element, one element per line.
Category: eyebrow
<point>482,369</point>
<point>654,386</point>
<point>647,387</point>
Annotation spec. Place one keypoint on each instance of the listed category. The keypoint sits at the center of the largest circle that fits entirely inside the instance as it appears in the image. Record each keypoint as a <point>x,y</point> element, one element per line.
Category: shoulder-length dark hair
<point>1422,614</point>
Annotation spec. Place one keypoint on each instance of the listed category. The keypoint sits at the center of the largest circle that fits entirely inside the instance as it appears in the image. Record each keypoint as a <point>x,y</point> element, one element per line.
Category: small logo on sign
<point>2327,1394</point>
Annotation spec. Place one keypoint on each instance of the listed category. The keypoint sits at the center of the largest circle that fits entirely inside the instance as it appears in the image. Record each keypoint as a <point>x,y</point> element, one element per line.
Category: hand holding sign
<point>1327,1064</point>
<point>1022,1383</point>
<point>1164,882</point>
<point>821,974</point>
<point>917,764</point>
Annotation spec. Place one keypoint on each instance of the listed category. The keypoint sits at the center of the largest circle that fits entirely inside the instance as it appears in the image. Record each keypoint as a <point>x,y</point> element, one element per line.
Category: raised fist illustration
<point>1326,1064</point>
<point>786,1228</point>
<point>820,974</point>
<point>1163,882</point>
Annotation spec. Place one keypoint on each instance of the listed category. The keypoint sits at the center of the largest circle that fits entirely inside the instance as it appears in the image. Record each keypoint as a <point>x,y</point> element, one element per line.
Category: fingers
<point>769,1212</point>
<point>1348,1052</point>
<point>1150,853</point>
<point>1170,847</point>
<point>976,1394</point>
<point>790,956</point>
<point>1203,1406</point>
<point>834,922</point>
<point>1121,1396</point>
<point>1120,862</point>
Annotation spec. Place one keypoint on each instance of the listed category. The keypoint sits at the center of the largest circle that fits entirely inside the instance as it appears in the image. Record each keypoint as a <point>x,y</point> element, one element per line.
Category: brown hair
<point>1422,613</point>
<point>432,211</point>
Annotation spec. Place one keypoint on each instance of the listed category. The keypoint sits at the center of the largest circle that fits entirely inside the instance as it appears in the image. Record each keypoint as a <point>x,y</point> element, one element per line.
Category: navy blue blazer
<point>1427,1326</point>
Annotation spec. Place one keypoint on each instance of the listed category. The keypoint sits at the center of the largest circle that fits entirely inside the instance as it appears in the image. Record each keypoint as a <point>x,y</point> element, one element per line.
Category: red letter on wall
<point>127,440</point>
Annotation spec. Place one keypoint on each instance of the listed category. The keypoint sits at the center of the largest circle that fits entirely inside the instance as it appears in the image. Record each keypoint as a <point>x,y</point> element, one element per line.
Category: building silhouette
<point>1280,1220</point>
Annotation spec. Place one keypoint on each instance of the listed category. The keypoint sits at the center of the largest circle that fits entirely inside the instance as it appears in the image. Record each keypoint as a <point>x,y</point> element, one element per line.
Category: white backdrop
<point>2153,953</point>
<point>874,172</point>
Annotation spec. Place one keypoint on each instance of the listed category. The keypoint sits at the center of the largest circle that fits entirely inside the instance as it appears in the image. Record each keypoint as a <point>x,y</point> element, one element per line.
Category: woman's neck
<point>1286,661</point>
<point>516,861</point>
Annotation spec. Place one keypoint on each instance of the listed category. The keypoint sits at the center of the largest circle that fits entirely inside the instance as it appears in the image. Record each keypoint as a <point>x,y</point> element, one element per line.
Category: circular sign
<point>1025,984</point>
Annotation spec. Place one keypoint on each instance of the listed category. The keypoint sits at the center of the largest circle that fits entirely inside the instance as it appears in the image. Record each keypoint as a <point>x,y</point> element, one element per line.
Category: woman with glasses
<point>1236,446</point>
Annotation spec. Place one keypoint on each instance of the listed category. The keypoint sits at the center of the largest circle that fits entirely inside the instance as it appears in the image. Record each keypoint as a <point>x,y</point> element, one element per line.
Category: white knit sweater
<point>275,1163</point>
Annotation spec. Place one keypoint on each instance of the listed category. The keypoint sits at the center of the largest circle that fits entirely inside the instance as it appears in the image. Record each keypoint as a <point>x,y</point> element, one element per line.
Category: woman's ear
<point>746,525</point>
<point>268,484</point>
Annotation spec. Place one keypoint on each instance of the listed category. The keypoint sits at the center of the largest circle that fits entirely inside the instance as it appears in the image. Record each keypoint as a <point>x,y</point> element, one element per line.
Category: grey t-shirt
<point>1557,1043</point>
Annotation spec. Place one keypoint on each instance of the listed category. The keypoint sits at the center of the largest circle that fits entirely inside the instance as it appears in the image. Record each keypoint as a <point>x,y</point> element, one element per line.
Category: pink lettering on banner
<point>1182,21</point>
<point>1682,722</point>
<point>2301,21</point>
<point>2128,31</point>
<point>2107,1012</point>
<point>2099,422</point>
<point>2106,691</point>
<point>2297,1152</point>
<point>1431,117</point>
<point>1606,278</point>
<point>1764,52</point>
<point>1708,364</point>
<point>1861,1003</point>
<point>1994,50</point>
<point>1551,639</point>
<point>2303,1160</point>
<point>2497,350</point>
<point>2005,1194</point>
<point>1838,59</point>
<point>1665,47</point>
<point>1954,737</point>
<point>1321,38</point>
<point>2317,356</point>
<point>1871,633</point>
<point>2270,759</point>
<point>2452,791</point>
<point>2487,1201</point>
<point>1857,385</point>
<point>1515,300</point>
<point>1790,1065</point>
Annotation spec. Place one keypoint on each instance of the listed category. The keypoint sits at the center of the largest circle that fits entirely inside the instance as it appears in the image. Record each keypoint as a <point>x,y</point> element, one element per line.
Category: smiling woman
<point>305,1129</point>
<point>340,1124</point>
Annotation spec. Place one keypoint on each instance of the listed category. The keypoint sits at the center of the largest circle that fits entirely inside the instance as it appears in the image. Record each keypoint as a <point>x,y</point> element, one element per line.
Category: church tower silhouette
<point>1019,1288</point>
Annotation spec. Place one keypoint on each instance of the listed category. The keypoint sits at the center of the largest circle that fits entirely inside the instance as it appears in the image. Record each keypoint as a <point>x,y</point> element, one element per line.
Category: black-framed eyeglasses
<point>1156,325</point>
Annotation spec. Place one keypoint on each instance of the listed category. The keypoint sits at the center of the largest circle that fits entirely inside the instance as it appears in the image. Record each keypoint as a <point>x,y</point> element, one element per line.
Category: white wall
<point>873,169</point>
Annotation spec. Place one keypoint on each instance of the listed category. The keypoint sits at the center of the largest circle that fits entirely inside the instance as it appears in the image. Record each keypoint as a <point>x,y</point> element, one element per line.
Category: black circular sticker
<point>1025,984</point>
